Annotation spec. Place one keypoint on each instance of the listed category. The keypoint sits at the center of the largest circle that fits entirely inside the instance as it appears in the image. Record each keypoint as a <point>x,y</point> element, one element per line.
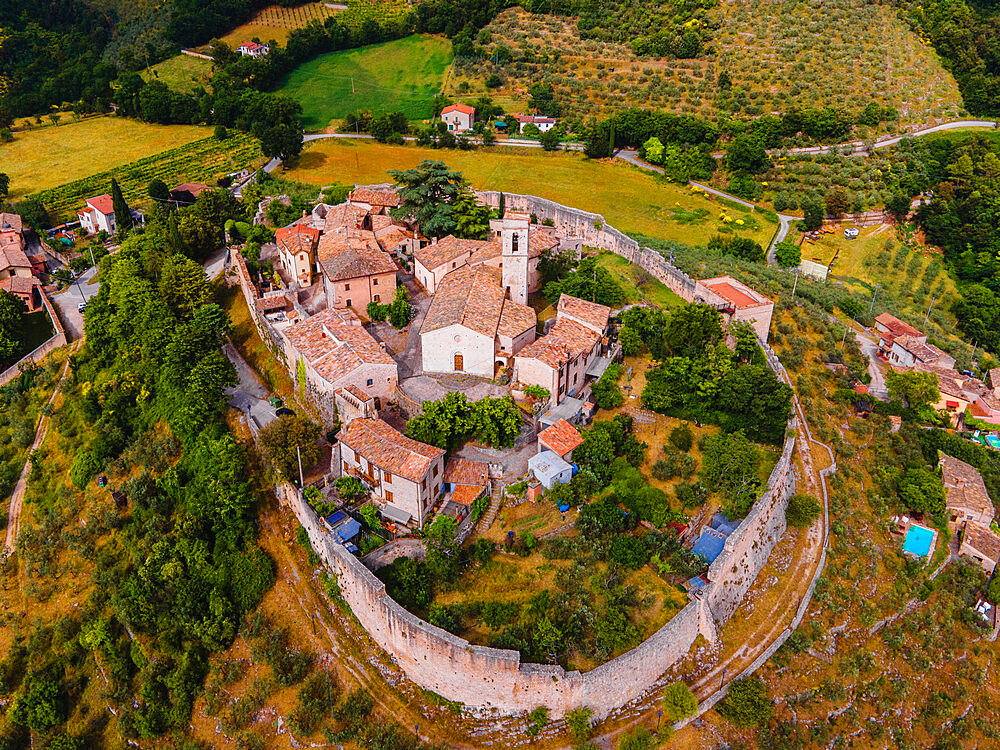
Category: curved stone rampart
<point>489,679</point>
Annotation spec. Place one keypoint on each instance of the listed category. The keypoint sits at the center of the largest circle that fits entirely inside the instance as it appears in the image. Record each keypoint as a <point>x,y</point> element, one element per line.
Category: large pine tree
<point>123,217</point>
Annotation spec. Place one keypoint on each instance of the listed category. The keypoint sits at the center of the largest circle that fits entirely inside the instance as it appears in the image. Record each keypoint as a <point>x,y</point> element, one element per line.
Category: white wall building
<point>459,117</point>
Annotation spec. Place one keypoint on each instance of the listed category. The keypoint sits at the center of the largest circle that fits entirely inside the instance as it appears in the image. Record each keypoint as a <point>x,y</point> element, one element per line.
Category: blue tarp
<point>709,544</point>
<point>335,518</point>
<point>696,583</point>
<point>723,525</point>
<point>347,530</point>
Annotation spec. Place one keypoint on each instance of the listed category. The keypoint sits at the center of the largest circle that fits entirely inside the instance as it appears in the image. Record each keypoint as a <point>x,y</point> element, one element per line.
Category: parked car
<point>284,412</point>
<point>81,307</point>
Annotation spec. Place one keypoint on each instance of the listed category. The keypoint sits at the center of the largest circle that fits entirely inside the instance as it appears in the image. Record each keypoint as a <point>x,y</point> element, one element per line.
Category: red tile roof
<point>376,195</point>
<point>10,223</point>
<point>983,540</point>
<point>463,108</point>
<point>469,296</point>
<point>334,346</point>
<point>896,326</point>
<point>730,293</point>
<point>467,494</point>
<point>353,256</point>
<point>461,471</point>
<point>964,486</point>
<point>562,437</point>
<point>12,256</point>
<point>515,319</point>
<point>589,313</point>
<point>102,203</point>
<point>19,284</point>
<point>389,449</point>
<point>449,249</point>
<point>567,339</point>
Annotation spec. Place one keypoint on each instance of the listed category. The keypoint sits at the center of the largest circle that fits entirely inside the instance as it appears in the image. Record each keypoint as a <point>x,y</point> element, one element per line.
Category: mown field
<point>44,158</point>
<point>181,73</point>
<point>630,199</point>
<point>201,161</point>
<point>402,75</point>
<point>841,53</point>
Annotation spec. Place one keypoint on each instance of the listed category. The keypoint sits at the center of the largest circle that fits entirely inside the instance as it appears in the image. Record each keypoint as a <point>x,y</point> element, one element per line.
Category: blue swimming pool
<point>993,441</point>
<point>918,540</point>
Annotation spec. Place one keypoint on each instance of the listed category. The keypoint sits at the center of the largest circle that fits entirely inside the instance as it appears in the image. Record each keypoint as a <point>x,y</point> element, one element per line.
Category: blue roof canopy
<point>709,544</point>
<point>347,530</point>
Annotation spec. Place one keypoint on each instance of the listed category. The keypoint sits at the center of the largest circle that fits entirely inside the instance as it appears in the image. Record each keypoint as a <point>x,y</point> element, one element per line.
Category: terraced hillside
<point>814,53</point>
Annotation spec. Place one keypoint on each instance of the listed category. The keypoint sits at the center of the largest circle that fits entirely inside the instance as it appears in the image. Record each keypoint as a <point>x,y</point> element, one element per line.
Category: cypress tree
<point>500,208</point>
<point>123,217</point>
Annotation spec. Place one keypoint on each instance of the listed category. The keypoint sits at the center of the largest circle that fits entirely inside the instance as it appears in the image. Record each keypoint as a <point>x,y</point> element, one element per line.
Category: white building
<point>549,469</point>
<point>99,215</point>
<point>404,475</point>
<point>544,124</point>
<point>253,49</point>
<point>471,326</point>
<point>459,117</point>
<point>910,351</point>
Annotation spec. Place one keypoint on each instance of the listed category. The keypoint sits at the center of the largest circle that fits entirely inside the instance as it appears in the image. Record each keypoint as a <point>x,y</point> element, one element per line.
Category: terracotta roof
<point>102,203</point>
<point>10,223</point>
<point>589,313</point>
<point>296,238</point>
<point>469,296</point>
<point>990,401</point>
<point>730,291</point>
<point>389,449</point>
<point>536,119</point>
<point>539,241</point>
<point>567,339</point>
<point>964,486</point>
<point>515,319</point>
<point>354,255</point>
<point>921,351</point>
<point>982,539</point>
<point>448,249</point>
<point>344,216</point>
<point>995,377</point>
<point>461,471</point>
<point>487,251</point>
<point>19,284</point>
<point>561,437</point>
<point>896,326</point>
<point>979,411</point>
<point>270,304</point>
<point>334,345</point>
<point>12,256</point>
<point>463,108</point>
<point>376,195</point>
<point>467,494</point>
<point>252,46</point>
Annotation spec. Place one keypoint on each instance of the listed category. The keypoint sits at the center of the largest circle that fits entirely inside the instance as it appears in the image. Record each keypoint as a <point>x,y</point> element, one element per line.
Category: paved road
<point>249,396</point>
<point>869,348</point>
<point>17,499</point>
<point>860,149</point>
<point>67,301</point>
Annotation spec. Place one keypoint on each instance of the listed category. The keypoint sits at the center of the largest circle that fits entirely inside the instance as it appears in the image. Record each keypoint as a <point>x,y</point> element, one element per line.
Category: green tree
<point>787,254</point>
<point>283,436</point>
<point>4,185</point>
<point>692,327</point>
<point>914,389</point>
<point>158,190</point>
<point>351,489</point>
<point>746,704</point>
<point>12,312</point>
<point>496,421</point>
<point>730,465</point>
<point>579,723</point>
<point>549,140</point>
<point>813,212</point>
<point>679,702</point>
<point>630,340</point>
<point>606,393</point>
<point>681,437</point>
<point>472,219</point>
<point>199,238</point>
<point>653,148</point>
<point>427,195</point>
<point>538,718</point>
<point>802,510</point>
<point>399,311</point>
<point>183,285</point>
<point>41,707</point>
<point>920,491</point>
<point>443,550</point>
<point>123,217</point>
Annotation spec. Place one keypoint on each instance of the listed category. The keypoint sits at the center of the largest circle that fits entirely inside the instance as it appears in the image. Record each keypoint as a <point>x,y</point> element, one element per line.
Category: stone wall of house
<point>57,340</point>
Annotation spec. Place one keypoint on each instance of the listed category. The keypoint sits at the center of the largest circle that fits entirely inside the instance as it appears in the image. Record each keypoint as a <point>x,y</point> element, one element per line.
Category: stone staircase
<point>491,513</point>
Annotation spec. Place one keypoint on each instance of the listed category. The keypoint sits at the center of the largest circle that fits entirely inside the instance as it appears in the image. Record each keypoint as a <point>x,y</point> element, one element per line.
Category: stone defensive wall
<point>596,232</point>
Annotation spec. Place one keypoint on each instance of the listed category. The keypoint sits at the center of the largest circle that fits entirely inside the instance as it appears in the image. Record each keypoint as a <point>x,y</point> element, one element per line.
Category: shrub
<point>746,704</point>
<point>682,438</point>
<point>679,702</point>
<point>802,511</point>
<point>537,720</point>
<point>579,723</point>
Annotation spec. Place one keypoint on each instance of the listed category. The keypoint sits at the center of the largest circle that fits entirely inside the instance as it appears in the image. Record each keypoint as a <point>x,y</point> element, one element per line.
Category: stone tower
<point>514,255</point>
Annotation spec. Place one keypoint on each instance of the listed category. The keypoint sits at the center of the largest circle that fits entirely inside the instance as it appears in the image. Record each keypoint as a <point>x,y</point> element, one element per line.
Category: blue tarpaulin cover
<point>709,544</point>
<point>347,530</point>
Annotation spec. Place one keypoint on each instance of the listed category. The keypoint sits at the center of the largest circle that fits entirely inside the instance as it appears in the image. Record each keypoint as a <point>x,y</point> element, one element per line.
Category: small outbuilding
<point>549,469</point>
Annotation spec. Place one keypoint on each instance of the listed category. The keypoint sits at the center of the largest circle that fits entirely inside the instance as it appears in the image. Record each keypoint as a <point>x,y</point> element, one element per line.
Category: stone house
<point>981,544</point>
<point>332,350</point>
<point>911,351</point>
<point>889,327</point>
<point>297,252</point>
<point>26,288</point>
<point>741,303</point>
<point>353,403</point>
<point>570,356</point>
<point>465,481</point>
<point>404,475</point>
<point>356,270</point>
<point>966,497</point>
<point>187,193</point>
<point>471,326</point>
<point>459,117</point>
<point>561,438</point>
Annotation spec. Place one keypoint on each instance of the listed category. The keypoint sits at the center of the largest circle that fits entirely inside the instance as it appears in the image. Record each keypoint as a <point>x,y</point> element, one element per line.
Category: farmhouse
<point>981,544</point>
<point>910,351</point>
<point>187,193</point>
<point>356,270</point>
<point>544,124</point>
<point>253,49</point>
<point>99,215</point>
<point>741,303</point>
<point>471,326</point>
<point>405,475</point>
<point>966,497</point>
<point>889,327</point>
<point>569,357</point>
<point>459,117</point>
<point>297,251</point>
<point>332,350</point>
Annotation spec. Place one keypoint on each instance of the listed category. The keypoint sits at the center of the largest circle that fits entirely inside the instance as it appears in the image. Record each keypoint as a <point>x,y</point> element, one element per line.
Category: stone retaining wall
<point>57,340</point>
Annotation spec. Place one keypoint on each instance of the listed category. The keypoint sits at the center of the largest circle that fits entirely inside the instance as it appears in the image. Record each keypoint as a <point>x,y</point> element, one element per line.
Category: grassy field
<point>181,73</point>
<point>47,157</point>
<point>630,199</point>
<point>402,75</point>
<point>638,284</point>
<point>842,53</point>
<point>201,161</point>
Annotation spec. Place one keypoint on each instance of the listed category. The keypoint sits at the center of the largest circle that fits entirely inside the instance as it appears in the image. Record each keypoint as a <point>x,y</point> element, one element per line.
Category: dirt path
<point>17,499</point>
